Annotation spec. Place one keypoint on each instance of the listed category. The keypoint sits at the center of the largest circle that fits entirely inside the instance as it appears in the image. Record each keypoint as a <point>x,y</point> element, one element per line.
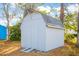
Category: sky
<point>50,6</point>
<point>47,6</point>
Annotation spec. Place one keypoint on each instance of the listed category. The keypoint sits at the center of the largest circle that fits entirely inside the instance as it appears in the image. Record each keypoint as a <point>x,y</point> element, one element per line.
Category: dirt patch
<point>14,49</point>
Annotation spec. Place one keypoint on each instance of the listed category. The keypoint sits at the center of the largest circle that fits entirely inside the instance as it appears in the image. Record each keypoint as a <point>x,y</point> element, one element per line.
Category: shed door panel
<point>38,32</point>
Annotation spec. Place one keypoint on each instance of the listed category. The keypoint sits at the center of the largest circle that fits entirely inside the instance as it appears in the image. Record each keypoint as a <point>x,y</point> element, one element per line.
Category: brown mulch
<point>14,49</point>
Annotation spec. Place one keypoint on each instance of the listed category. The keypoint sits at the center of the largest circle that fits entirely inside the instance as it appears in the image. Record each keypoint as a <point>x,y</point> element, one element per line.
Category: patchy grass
<point>13,49</point>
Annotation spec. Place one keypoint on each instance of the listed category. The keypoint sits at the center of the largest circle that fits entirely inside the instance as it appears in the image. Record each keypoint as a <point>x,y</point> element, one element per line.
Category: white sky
<point>47,8</point>
<point>12,22</point>
<point>73,8</point>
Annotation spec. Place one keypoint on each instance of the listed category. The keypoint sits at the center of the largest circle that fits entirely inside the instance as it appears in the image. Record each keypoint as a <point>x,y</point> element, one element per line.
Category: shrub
<point>15,33</point>
<point>70,38</point>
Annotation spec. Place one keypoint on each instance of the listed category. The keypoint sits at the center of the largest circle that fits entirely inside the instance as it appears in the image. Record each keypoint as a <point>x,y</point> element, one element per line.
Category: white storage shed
<point>41,32</point>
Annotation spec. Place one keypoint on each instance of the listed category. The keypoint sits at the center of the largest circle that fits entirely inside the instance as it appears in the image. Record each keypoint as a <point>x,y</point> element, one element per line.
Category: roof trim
<point>56,27</point>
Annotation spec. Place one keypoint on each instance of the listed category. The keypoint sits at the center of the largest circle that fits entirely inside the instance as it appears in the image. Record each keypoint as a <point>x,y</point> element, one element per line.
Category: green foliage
<point>44,12</point>
<point>28,5</point>
<point>70,38</point>
<point>15,33</point>
<point>70,24</point>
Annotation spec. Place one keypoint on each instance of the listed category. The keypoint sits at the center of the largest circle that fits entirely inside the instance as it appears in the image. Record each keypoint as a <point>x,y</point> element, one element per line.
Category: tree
<point>62,12</point>
<point>6,13</point>
<point>78,28</point>
<point>8,16</point>
<point>15,33</point>
<point>27,8</point>
<point>70,24</point>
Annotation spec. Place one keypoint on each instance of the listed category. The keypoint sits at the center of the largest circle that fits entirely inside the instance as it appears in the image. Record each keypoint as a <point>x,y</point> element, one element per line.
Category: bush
<point>15,33</point>
<point>71,38</point>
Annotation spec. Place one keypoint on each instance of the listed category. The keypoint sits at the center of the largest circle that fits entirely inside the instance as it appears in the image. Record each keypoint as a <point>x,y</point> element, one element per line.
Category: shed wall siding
<point>55,38</point>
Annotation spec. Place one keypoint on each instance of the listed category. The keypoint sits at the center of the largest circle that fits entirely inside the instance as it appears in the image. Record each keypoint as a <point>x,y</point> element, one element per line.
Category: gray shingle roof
<point>52,21</point>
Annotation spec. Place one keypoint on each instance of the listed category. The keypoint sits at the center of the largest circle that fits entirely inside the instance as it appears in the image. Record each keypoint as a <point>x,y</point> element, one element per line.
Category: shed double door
<point>37,33</point>
<point>34,33</point>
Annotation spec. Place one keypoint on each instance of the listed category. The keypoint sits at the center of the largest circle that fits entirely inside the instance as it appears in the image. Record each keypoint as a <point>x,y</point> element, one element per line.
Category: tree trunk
<point>6,11</point>
<point>77,45</point>
<point>62,12</point>
<point>8,32</point>
<point>78,26</point>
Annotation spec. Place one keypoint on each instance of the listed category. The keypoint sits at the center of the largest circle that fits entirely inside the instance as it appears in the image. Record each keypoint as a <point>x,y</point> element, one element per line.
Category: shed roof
<point>52,22</point>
